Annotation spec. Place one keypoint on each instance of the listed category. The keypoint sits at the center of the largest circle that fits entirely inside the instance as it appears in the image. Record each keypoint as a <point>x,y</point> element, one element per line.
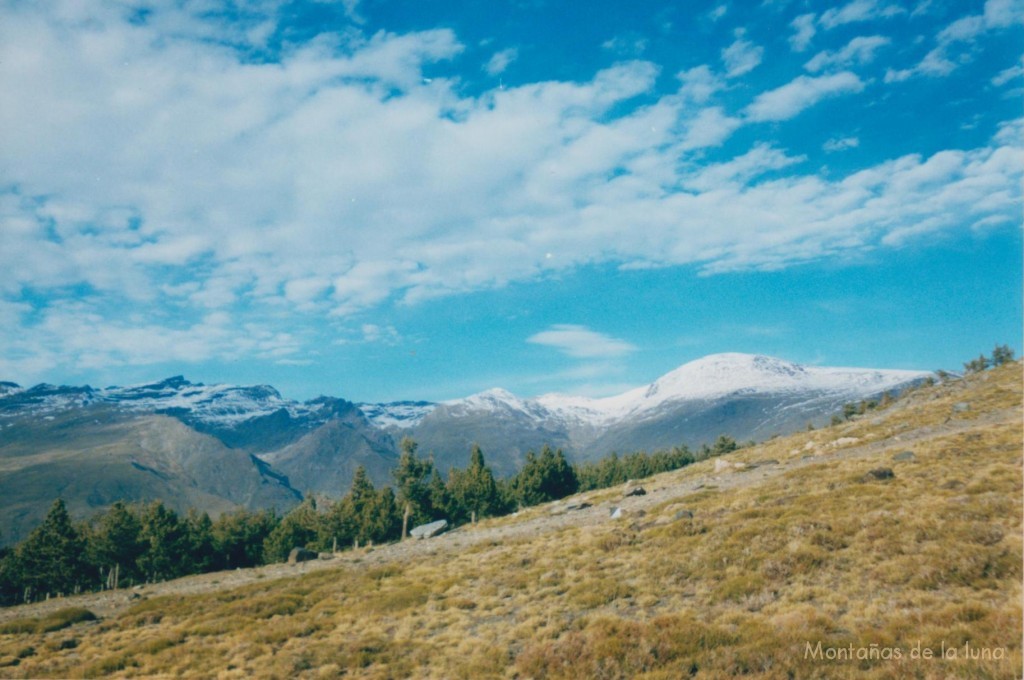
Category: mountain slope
<point>749,397</point>
<point>96,455</point>
<point>315,446</point>
<point>730,567</point>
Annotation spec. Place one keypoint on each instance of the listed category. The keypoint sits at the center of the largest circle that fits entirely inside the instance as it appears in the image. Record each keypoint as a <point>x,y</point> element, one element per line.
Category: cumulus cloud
<point>741,57</point>
<point>1008,74</point>
<point>857,11</point>
<point>859,51</point>
<point>500,61</point>
<point>804,30</point>
<point>169,199</point>
<point>580,342</point>
<point>699,84</point>
<point>943,59</point>
<point>840,144</point>
<point>801,93</point>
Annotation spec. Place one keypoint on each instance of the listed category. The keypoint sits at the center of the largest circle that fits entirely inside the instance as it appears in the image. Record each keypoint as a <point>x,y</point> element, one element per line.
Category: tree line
<point>130,544</point>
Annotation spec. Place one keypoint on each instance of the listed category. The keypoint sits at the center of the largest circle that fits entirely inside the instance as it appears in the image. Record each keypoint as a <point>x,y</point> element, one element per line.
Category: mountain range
<point>218,447</point>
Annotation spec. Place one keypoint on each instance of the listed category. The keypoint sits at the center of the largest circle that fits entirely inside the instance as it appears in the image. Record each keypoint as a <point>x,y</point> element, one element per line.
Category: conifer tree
<point>412,485</point>
<point>545,478</point>
<point>300,528</point>
<point>51,559</point>
<point>239,537</point>
<point>202,551</point>
<point>116,544</point>
<point>166,543</point>
<point>977,365</point>
<point>382,518</point>
<point>1001,354</point>
<point>473,491</point>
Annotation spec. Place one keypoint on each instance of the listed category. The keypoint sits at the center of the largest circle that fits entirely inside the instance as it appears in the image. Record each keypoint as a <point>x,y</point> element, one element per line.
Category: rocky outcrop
<point>429,530</point>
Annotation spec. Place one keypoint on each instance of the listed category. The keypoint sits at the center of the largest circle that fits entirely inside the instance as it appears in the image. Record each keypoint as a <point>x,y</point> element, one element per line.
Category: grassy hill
<point>840,552</point>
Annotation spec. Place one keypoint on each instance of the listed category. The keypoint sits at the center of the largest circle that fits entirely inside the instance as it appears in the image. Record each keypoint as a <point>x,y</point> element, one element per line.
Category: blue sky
<point>388,200</point>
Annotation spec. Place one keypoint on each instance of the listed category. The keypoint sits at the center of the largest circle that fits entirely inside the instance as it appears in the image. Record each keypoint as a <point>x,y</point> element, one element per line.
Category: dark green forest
<point>131,544</point>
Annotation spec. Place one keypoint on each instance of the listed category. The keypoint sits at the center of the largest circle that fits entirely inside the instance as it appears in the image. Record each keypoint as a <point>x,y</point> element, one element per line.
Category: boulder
<point>429,530</point>
<point>615,513</point>
<point>961,407</point>
<point>682,514</point>
<point>301,555</point>
<point>633,491</point>
<point>904,455</point>
<point>878,474</point>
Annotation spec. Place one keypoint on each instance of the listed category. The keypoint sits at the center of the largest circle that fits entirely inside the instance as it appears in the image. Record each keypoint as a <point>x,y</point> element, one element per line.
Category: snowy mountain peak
<point>7,388</point>
<point>720,375</point>
<point>725,373</point>
<point>495,395</point>
<point>496,400</point>
<point>401,414</point>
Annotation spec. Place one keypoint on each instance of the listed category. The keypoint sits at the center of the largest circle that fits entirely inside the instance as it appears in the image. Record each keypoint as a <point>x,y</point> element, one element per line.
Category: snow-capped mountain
<point>398,414</point>
<point>212,404</point>
<point>277,449</point>
<point>721,375</point>
<point>747,396</point>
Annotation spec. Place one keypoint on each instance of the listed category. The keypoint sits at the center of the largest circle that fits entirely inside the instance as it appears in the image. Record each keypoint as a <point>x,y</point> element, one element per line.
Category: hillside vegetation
<point>849,551</point>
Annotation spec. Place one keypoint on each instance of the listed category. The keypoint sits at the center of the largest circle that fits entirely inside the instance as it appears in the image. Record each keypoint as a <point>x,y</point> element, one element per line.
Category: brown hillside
<point>800,563</point>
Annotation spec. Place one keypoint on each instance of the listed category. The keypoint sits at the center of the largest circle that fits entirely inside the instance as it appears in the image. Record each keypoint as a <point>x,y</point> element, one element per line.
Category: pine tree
<point>724,444</point>
<point>116,544</point>
<point>300,528</point>
<point>545,478</point>
<point>412,484</point>
<point>976,365</point>
<point>51,559</point>
<point>1001,354</point>
<point>166,543</point>
<point>239,537</point>
<point>202,551</point>
<point>473,491</point>
<point>382,518</point>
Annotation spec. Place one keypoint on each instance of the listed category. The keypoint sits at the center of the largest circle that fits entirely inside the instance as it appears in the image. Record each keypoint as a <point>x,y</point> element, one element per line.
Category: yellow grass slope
<point>799,564</point>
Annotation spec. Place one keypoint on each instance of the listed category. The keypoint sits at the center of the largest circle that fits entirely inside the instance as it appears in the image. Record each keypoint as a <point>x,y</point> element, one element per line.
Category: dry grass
<point>767,565</point>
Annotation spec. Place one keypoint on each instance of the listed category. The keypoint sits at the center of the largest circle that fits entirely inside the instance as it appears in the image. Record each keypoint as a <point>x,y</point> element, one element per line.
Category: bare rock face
<point>429,530</point>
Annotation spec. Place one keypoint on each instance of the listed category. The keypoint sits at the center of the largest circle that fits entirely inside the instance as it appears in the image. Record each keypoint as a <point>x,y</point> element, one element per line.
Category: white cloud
<point>857,11</point>
<point>375,333</point>
<point>699,84</point>
<point>801,93</point>
<point>631,45</point>
<point>710,127</point>
<point>174,199</point>
<point>741,57</point>
<point>942,60</point>
<point>840,144</point>
<point>1008,74</point>
<point>741,170</point>
<point>718,12</point>
<point>500,61</point>
<point>804,30</point>
<point>858,51</point>
<point>580,342</point>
